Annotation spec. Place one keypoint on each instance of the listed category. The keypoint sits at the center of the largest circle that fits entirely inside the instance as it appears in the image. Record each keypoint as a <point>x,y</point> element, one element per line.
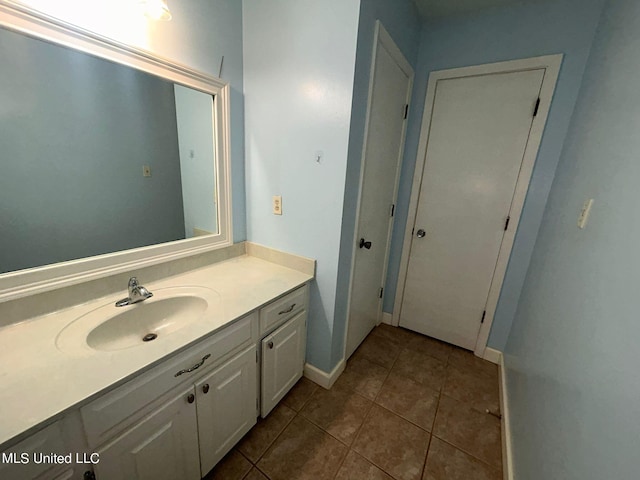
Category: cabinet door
<point>163,446</point>
<point>226,401</point>
<point>282,361</point>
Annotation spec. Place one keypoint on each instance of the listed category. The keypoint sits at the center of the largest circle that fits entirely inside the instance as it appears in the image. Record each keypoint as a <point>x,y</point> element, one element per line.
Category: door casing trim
<point>551,64</point>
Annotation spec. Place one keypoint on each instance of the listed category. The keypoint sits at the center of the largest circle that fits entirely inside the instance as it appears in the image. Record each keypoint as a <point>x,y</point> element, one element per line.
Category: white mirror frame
<point>26,282</point>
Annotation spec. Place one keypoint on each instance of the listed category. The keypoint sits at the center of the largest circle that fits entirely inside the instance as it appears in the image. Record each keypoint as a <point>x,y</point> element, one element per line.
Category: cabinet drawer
<point>284,308</point>
<point>47,441</point>
<point>116,410</point>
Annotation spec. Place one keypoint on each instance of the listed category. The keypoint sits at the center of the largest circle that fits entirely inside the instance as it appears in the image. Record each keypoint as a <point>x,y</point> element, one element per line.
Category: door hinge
<point>393,210</point>
<point>506,223</point>
<point>535,110</point>
<point>381,291</point>
<point>406,111</point>
<point>483,315</point>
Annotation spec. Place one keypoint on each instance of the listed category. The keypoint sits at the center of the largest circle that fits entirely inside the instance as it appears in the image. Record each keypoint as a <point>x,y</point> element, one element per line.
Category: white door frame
<point>381,36</point>
<point>551,64</point>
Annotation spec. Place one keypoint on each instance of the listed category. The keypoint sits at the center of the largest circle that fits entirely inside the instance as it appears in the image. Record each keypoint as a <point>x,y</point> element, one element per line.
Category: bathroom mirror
<point>109,155</point>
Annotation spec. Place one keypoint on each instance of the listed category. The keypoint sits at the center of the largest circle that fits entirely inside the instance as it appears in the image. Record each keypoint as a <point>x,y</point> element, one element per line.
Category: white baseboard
<point>321,377</point>
<point>492,355</point>
<point>507,459</point>
<point>387,318</point>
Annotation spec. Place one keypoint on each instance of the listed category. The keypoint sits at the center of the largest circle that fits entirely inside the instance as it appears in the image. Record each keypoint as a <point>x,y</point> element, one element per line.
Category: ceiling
<point>444,8</point>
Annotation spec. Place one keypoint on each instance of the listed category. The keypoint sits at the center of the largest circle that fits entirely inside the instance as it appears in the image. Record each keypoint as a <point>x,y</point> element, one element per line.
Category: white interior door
<point>479,131</point>
<point>391,83</point>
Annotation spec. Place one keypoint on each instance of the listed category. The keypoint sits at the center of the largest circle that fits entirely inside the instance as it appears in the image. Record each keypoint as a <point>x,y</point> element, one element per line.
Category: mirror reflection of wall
<point>75,133</point>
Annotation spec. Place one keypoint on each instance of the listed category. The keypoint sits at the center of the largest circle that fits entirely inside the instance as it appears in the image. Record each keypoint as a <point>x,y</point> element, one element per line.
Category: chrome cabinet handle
<point>195,367</point>
<point>205,388</point>
<point>287,310</point>
<point>191,398</point>
<point>420,233</point>
<point>270,345</point>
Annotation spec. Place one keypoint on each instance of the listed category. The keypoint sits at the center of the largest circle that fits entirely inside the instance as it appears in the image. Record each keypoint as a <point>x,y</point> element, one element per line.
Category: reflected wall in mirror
<point>76,132</point>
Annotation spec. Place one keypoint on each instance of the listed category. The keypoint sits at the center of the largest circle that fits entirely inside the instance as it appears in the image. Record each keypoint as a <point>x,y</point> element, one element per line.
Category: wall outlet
<point>584,214</point>
<point>277,205</point>
<point>146,171</point>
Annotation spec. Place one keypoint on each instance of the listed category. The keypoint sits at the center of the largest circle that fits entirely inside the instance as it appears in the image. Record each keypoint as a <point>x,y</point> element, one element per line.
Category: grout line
<point>467,453</point>
<point>263,473</point>
<point>355,438</point>
<point>247,474</point>
<point>342,461</point>
<point>357,431</point>
<point>245,457</point>
<point>435,417</point>
<point>304,404</point>
<point>433,428</point>
<point>276,437</point>
<point>403,418</point>
<point>426,456</point>
<point>386,378</point>
<point>460,448</point>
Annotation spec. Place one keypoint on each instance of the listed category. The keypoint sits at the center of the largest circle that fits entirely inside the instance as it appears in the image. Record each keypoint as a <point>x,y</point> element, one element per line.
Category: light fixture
<point>156,9</point>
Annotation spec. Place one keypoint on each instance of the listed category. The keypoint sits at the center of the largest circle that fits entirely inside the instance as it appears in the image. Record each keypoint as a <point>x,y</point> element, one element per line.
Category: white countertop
<point>38,381</point>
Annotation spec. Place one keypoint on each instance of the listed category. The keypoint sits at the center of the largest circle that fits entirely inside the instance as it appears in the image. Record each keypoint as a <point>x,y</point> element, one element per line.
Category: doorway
<point>481,131</point>
<point>390,87</point>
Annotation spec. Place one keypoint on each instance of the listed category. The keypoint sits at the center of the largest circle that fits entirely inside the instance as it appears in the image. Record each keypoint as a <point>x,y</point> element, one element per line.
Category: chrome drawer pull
<point>195,367</point>
<point>287,310</point>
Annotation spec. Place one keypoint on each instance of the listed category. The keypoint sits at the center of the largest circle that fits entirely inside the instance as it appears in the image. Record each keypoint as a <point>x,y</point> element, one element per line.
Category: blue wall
<point>299,58</point>
<point>400,19</point>
<point>524,30</point>
<point>75,132</point>
<point>572,357</point>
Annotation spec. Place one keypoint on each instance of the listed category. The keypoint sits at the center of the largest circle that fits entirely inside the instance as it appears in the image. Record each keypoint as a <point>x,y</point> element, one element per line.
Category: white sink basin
<point>110,328</point>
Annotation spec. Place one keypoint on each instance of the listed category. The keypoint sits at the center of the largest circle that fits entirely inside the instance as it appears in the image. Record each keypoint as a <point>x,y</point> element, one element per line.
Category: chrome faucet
<point>137,293</point>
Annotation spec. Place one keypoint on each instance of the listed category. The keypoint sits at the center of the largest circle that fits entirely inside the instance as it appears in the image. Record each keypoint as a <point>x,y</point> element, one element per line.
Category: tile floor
<point>407,407</point>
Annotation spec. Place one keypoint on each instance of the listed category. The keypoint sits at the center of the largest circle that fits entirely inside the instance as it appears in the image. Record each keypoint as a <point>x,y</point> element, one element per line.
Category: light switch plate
<point>146,171</point>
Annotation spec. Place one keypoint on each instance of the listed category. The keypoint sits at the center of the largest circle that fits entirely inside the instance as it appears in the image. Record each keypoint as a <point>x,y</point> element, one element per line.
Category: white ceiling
<point>444,8</point>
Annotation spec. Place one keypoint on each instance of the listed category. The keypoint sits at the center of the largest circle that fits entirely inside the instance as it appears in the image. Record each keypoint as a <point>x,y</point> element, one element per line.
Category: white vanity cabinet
<point>142,432</point>
<point>186,435</point>
<point>179,418</point>
<point>283,349</point>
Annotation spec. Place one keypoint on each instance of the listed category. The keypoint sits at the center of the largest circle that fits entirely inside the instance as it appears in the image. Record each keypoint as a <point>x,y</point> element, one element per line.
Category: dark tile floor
<point>407,407</point>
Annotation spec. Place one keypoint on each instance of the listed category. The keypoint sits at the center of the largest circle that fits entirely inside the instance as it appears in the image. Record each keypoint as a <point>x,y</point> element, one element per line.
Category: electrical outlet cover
<point>277,205</point>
